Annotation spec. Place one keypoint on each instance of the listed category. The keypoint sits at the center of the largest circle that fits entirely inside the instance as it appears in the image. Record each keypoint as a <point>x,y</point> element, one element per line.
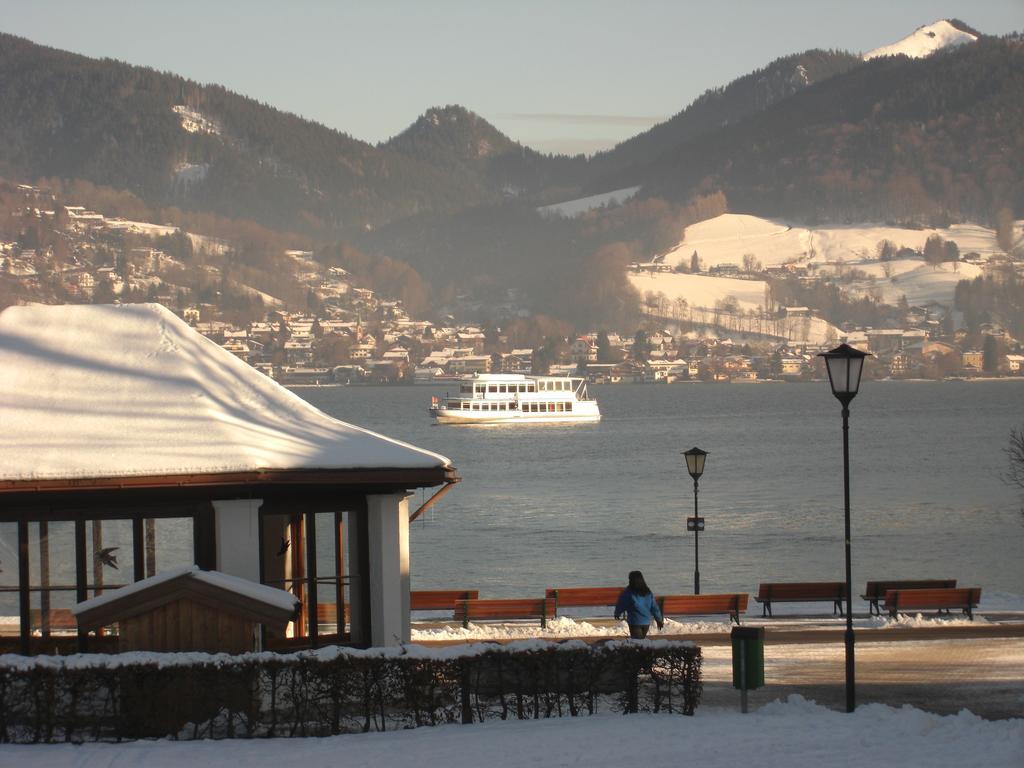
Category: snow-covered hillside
<point>925,41</point>
<point>846,253</point>
<point>572,208</point>
<point>726,239</point>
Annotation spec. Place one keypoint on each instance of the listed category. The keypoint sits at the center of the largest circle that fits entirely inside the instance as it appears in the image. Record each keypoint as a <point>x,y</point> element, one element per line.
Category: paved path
<point>984,675</point>
<point>942,669</point>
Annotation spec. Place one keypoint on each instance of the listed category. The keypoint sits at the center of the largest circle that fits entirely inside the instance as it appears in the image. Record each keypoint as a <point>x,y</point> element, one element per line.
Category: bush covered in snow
<point>335,690</point>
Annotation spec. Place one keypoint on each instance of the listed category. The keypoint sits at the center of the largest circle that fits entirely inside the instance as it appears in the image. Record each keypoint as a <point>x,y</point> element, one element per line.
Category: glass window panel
<point>168,542</point>
<point>9,579</point>
<point>108,553</point>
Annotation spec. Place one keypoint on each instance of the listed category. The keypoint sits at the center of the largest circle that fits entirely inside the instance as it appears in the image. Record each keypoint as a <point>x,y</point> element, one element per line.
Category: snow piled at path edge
<point>783,734</point>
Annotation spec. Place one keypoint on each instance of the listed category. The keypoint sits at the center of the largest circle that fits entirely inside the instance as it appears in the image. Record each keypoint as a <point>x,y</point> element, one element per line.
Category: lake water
<point>549,506</point>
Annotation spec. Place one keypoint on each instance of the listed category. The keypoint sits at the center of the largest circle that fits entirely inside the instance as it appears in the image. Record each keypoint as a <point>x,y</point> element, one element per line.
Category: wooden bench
<point>60,619</point>
<point>704,605</point>
<point>964,598</point>
<point>802,592</point>
<point>494,610</point>
<point>439,599</point>
<point>875,591</point>
<point>583,597</point>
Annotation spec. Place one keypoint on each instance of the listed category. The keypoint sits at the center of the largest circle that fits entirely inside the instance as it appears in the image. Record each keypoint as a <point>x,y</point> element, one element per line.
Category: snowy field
<point>572,208</point>
<point>726,239</point>
<point>782,734</point>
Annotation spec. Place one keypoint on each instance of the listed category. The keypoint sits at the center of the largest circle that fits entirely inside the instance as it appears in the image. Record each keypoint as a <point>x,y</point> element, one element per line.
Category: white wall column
<point>236,524</point>
<point>388,527</point>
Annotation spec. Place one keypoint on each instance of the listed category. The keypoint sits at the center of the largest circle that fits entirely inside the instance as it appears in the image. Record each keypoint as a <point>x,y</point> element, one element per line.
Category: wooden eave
<point>183,587</point>
<point>350,478</point>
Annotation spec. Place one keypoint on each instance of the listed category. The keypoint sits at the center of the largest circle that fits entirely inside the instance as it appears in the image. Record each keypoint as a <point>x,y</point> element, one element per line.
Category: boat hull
<point>461,417</point>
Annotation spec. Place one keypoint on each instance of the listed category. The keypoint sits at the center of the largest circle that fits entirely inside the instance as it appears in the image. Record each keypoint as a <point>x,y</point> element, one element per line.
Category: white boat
<point>512,398</point>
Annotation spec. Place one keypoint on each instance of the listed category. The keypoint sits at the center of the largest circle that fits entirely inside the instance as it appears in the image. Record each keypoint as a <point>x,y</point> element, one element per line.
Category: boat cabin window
<point>492,388</point>
<point>466,389</point>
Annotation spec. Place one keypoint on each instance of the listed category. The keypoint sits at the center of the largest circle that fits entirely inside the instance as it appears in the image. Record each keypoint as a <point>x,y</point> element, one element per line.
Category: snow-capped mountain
<point>925,41</point>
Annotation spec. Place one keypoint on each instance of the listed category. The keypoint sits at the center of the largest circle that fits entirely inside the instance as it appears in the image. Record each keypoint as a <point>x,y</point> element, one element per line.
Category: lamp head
<point>695,459</point>
<point>845,365</point>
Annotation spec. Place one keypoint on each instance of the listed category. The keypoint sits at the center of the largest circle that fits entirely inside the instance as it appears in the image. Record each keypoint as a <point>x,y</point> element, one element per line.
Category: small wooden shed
<point>187,609</point>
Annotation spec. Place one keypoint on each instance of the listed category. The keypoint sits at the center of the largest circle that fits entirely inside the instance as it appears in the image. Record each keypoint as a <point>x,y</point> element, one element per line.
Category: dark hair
<point>637,583</point>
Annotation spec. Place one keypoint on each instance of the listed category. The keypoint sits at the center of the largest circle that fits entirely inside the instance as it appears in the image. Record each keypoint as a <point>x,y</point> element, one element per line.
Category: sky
<point>571,76</point>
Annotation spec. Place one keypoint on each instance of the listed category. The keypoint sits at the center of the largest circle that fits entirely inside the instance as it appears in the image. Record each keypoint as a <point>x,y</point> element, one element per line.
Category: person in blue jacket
<point>639,606</point>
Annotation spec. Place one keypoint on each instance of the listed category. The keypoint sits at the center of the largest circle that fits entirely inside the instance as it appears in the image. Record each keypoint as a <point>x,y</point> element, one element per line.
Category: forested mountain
<point>464,143</point>
<point>172,141</point>
<point>723,106</point>
<point>893,139</point>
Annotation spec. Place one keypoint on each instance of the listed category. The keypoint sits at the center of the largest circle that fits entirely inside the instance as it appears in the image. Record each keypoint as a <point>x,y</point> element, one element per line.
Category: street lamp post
<point>845,365</point>
<point>695,459</point>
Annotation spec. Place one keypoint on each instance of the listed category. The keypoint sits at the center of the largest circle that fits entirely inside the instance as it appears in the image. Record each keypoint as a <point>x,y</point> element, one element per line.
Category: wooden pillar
<point>23,593</point>
<point>81,577</point>
<point>44,578</point>
<point>339,568</point>
<point>138,549</point>
<point>97,564</point>
<point>296,572</point>
<point>204,538</point>
<point>359,576</point>
<point>150,547</point>
<point>310,545</point>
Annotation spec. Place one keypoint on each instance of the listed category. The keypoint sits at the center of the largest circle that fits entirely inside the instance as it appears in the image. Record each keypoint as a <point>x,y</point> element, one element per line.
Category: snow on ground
<point>207,244</point>
<point>561,627</point>
<point>194,121</point>
<point>141,227</point>
<point>925,41</point>
<point>190,173</point>
<point>727,238</point>
<point>700,290</point>
<point>572,208</point>
<point>703,293</point>
<point>921,283</point>
<point>783,734</point>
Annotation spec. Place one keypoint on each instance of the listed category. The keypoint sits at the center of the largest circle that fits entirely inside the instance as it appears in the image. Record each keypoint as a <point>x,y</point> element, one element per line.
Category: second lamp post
<point>695,459</point>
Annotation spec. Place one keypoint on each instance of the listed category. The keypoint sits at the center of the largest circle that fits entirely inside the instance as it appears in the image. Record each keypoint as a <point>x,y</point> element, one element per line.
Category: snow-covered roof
<point>117,391</point>
<point>272,597</point>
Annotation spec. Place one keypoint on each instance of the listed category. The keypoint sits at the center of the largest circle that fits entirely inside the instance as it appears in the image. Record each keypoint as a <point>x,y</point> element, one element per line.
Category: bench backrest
<point>439,599</point>
<point>573,597</point>
<point>810,590</point>
<point>877,589</point>
<point>59,618</point>
<point>696,605</point>
<point>961,597</point>
<point>526,608</point>
<point>327,613</point>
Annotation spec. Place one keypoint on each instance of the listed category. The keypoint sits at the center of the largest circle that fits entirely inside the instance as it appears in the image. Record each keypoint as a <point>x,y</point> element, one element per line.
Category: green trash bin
<point>747,657</point>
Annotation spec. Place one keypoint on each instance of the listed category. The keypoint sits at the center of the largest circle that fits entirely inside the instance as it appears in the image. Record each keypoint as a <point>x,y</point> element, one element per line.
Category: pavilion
<point>132,444</point>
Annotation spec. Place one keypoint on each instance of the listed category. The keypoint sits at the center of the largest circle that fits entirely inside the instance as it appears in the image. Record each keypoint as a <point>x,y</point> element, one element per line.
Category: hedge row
<point>331,691</point>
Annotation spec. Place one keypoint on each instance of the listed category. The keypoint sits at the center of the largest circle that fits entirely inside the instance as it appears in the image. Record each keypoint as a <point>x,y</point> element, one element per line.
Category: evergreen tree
<point>990,354</point>
<point>604,348</point>
<point>695,263</point>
